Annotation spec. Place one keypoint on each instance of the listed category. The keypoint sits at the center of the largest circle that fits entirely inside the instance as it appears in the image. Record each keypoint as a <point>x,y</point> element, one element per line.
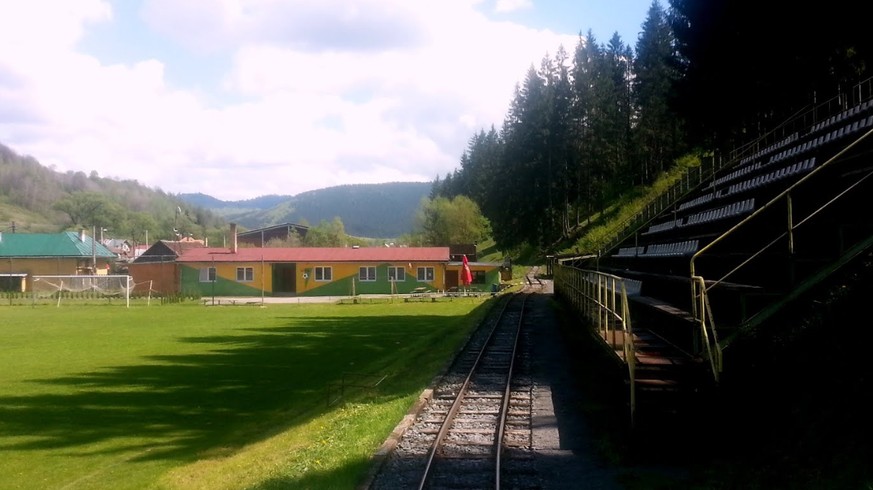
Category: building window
<point>324,274</point>
<point>207,274</point>
<point>367,274</point>
<point>245,274</point>
<point>425,274</point>
<point>478,277</point>
<point>396,274</point>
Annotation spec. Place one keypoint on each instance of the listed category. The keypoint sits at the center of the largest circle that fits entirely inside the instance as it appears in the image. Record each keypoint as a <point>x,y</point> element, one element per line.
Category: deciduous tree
<point>445,221</point>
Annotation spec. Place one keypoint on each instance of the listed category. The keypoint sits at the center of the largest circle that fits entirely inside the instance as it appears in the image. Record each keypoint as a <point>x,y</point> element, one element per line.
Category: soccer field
<point>187,396</point>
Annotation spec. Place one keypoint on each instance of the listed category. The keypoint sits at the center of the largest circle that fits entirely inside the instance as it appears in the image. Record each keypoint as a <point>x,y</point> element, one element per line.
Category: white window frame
<point>208,274</point>
<point>245,274</point>
<point>396,274</point>
<point>364,273</point>
<point>323,273</point>
<point>425,274</point>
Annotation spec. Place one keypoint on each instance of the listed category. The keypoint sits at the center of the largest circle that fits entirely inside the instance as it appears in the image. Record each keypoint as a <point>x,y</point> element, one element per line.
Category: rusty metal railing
<point>602,301</point>
<point>700,289</point>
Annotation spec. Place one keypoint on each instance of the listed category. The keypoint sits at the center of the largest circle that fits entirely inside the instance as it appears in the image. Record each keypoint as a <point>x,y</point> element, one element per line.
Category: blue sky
<point>242,98</point>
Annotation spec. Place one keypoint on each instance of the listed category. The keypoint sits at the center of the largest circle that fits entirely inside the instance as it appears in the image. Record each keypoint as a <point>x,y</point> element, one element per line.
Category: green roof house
<point>23,255</point>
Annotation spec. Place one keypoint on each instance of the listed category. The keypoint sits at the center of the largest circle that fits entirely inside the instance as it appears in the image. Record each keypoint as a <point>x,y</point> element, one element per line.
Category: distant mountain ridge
<point>29,192</point>
<point>209,202</point>
<point>367,210</point>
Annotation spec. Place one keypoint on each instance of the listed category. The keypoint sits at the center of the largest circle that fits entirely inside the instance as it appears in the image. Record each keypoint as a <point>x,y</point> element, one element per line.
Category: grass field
<point>187,396</point>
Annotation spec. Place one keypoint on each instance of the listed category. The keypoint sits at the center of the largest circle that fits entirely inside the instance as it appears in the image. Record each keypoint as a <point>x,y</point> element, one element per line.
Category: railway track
<point>475,432</point>
<point>532,278</point>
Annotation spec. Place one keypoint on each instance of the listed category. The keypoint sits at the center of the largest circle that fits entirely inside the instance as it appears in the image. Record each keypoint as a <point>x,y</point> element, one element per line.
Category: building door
<point>284,279</point>
<point>452,278</point>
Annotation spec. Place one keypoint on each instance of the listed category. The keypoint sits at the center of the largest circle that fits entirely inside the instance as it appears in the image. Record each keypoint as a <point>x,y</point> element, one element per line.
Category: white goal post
<point>105,285</point>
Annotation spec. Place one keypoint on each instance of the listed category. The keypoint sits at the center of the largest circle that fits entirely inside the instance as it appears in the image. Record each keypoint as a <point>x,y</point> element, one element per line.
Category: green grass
<point>26,221</point>
<point>185,396</point>
<point>599,228</point>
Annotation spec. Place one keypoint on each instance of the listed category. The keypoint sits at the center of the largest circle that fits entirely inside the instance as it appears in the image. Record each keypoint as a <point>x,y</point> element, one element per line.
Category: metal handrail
<point>803,118</point>
<point>709,335</point>
<point>654,207</point>
<point>784,194</point>
<point>602,299</point>
<point>702,311</point>
<point>699,291</point>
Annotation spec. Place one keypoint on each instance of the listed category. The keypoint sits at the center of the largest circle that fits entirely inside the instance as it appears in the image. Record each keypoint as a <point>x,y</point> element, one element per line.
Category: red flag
<point>466,275</point>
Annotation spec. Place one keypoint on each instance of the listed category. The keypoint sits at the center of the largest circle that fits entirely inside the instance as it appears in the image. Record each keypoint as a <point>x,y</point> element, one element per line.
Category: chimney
<point>82,235</point>
<point>233,238</point>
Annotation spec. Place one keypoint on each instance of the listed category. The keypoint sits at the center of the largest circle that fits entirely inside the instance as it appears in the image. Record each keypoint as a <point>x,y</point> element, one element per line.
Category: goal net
<point>82,287</point>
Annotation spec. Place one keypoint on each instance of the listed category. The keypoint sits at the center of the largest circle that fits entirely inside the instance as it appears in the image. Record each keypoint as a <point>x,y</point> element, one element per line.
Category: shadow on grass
<point>242,388</point>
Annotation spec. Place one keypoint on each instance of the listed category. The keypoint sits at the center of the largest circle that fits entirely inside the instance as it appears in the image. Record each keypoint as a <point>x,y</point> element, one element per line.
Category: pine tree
<point>588,115</point>
<point>657,133</point>
<point>480,170</point>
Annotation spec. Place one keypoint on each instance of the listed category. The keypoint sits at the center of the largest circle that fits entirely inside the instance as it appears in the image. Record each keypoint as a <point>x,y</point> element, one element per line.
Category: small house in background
<point>486,275</point>
<point>139,249</point>
<point>120,248</point>
<point>262,236</point>
<point>456,252</point>
<point>156,270</point>
<point>23,255</point>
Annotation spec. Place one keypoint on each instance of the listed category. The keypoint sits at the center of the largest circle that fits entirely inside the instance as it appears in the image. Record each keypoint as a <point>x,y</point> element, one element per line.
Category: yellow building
<point>312,271</point>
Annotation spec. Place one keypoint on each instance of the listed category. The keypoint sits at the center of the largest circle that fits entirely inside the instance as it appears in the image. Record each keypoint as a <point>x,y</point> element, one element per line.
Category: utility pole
<point>93,250</point>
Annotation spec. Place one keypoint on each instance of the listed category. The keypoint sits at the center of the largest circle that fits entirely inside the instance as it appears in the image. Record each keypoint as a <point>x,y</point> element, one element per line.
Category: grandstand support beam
<point>790,224</point>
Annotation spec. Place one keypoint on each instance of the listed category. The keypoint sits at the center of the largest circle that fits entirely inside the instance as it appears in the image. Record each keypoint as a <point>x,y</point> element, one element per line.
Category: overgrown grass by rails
<point>186,396</point>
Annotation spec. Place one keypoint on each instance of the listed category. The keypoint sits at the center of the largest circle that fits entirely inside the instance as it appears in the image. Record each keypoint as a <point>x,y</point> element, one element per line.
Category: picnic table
<point>457,292</point>
<point>419,294</point>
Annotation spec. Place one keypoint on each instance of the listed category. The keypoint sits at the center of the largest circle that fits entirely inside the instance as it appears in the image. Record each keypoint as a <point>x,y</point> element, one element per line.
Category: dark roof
<point>457,251</point>
<point>167,250</point>
<point>318,254</point>
<point>64,244</point>
<point>284,226</point>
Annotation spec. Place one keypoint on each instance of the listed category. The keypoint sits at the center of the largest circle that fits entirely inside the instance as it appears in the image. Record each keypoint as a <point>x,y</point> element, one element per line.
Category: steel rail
<point>456,404</point>
<point>507,392</point>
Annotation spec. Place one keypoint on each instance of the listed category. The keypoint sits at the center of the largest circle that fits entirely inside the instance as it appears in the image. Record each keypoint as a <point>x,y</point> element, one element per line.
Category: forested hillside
<point>583,128</point>
<point>38,199</point>
<point>586,127</point>
<point>367,210</point>
<point>35,198</point>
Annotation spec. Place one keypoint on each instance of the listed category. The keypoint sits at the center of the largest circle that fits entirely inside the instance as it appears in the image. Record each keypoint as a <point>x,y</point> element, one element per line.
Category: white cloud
<point>210,25</point>
<point>395,97</point>
<point>504,6</point>
<point>43,26</point>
